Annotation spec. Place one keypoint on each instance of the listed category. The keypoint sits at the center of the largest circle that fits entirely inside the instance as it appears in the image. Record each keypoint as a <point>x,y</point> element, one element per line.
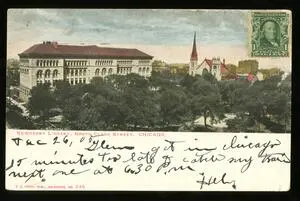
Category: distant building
<point>247,66</point>
<point>267,73</point>
<point>159,66</point>
<point>178,68</point>
<point>50,61</point>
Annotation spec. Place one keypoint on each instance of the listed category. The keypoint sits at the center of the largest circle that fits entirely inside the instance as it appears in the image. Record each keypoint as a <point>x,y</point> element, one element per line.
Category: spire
<point>194,55</point>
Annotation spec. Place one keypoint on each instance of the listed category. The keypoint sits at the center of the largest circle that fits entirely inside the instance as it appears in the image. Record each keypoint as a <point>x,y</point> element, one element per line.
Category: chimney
<point>55,44</point>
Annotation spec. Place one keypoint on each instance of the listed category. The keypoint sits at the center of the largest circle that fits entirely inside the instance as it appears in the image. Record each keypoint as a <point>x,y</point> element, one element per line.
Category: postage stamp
<point>269,34</point>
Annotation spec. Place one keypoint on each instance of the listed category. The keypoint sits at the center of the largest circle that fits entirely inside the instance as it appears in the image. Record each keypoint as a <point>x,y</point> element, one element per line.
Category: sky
<point>166,34</point>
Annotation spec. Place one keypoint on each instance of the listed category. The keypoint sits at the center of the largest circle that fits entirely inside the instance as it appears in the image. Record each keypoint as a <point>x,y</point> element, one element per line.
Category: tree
<point>159,80</point>
<point>158,63</point>
<point>12,72</point>
<point>61,92</point>
<point>232,92</point>
<point>206,100</point>
<point>174,106</point>
<point>187,81</point>
<point>41,101</point>
<point>264,106</point>
<point>138,100</point>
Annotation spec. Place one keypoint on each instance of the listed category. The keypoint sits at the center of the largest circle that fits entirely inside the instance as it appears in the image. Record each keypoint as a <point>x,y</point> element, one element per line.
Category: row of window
<point>144,61</point>
<point>82,72</point>
<point>47,62</point>
<point>76,63</point>
<point>124,70</point>
<point>82,62</point>
<point>76,72</point>
<point>103,62</point>
<point>103,71</point>
<point>144,70</point>
<point>24,70</point>
<point>39,82</point>
<point>73,81</point>
<point>47,74</point>
<point>124,62</point>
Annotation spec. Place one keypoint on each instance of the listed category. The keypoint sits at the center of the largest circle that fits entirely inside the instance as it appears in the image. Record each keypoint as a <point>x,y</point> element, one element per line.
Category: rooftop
<point>54,49</point>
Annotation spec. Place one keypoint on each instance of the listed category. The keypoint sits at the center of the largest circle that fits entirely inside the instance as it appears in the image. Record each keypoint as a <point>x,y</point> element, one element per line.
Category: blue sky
<point>173,27</point>
<point>166,34</point>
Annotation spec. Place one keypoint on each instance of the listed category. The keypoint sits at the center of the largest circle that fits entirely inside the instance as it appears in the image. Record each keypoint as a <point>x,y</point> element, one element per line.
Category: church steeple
<point>194,55</point>
<point>194,59</point>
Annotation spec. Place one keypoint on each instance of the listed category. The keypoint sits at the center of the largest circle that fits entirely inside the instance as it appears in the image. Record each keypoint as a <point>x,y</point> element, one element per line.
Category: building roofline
<point>79,51</point>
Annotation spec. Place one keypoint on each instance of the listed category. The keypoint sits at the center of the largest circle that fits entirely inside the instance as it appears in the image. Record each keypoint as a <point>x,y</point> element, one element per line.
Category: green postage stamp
<point>270,33</point>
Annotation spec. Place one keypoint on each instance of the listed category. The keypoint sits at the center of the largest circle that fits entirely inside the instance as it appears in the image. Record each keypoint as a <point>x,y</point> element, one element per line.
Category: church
<point>214,66</point>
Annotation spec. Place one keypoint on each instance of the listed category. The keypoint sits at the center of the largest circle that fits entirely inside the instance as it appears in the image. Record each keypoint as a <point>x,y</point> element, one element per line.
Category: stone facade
<point>41,68</point>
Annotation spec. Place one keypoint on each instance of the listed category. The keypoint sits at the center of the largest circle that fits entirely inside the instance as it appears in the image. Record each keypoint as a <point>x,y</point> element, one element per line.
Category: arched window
<point>39,74</point>
<point>80,72</point>
<point>148,70</point>
<point>204,71</point>
<point>47,62</point>
<point>55,73</point>
<point>47,73</point>
<point>50,63</point>
<point>37,62</point>
<point>103,71</point>
<point>44,63</point>
<point>144,70</point>
<point>57,63</point>
<point>110,71</point>
<point>76,72</point>
<point>97,72</point>
<point>140,70</point>
<point>72,72</point>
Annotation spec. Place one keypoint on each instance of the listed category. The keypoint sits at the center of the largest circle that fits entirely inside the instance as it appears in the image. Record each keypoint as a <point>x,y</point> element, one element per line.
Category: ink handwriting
<point>166,158</point>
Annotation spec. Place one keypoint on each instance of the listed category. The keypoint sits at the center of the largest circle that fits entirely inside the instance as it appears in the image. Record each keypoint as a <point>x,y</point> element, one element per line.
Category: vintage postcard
<point>148,100</point>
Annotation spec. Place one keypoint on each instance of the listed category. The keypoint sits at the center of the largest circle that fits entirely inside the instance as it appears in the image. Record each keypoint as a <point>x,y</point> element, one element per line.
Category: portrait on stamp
<point>270,35</point>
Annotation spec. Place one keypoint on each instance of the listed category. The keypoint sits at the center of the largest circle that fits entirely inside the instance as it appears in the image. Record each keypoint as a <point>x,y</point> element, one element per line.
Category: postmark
<point>269,34</point>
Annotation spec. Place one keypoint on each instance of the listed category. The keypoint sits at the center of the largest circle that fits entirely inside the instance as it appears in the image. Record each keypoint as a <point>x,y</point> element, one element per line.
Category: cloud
<point>165,33</point>
<point>162,26</point>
